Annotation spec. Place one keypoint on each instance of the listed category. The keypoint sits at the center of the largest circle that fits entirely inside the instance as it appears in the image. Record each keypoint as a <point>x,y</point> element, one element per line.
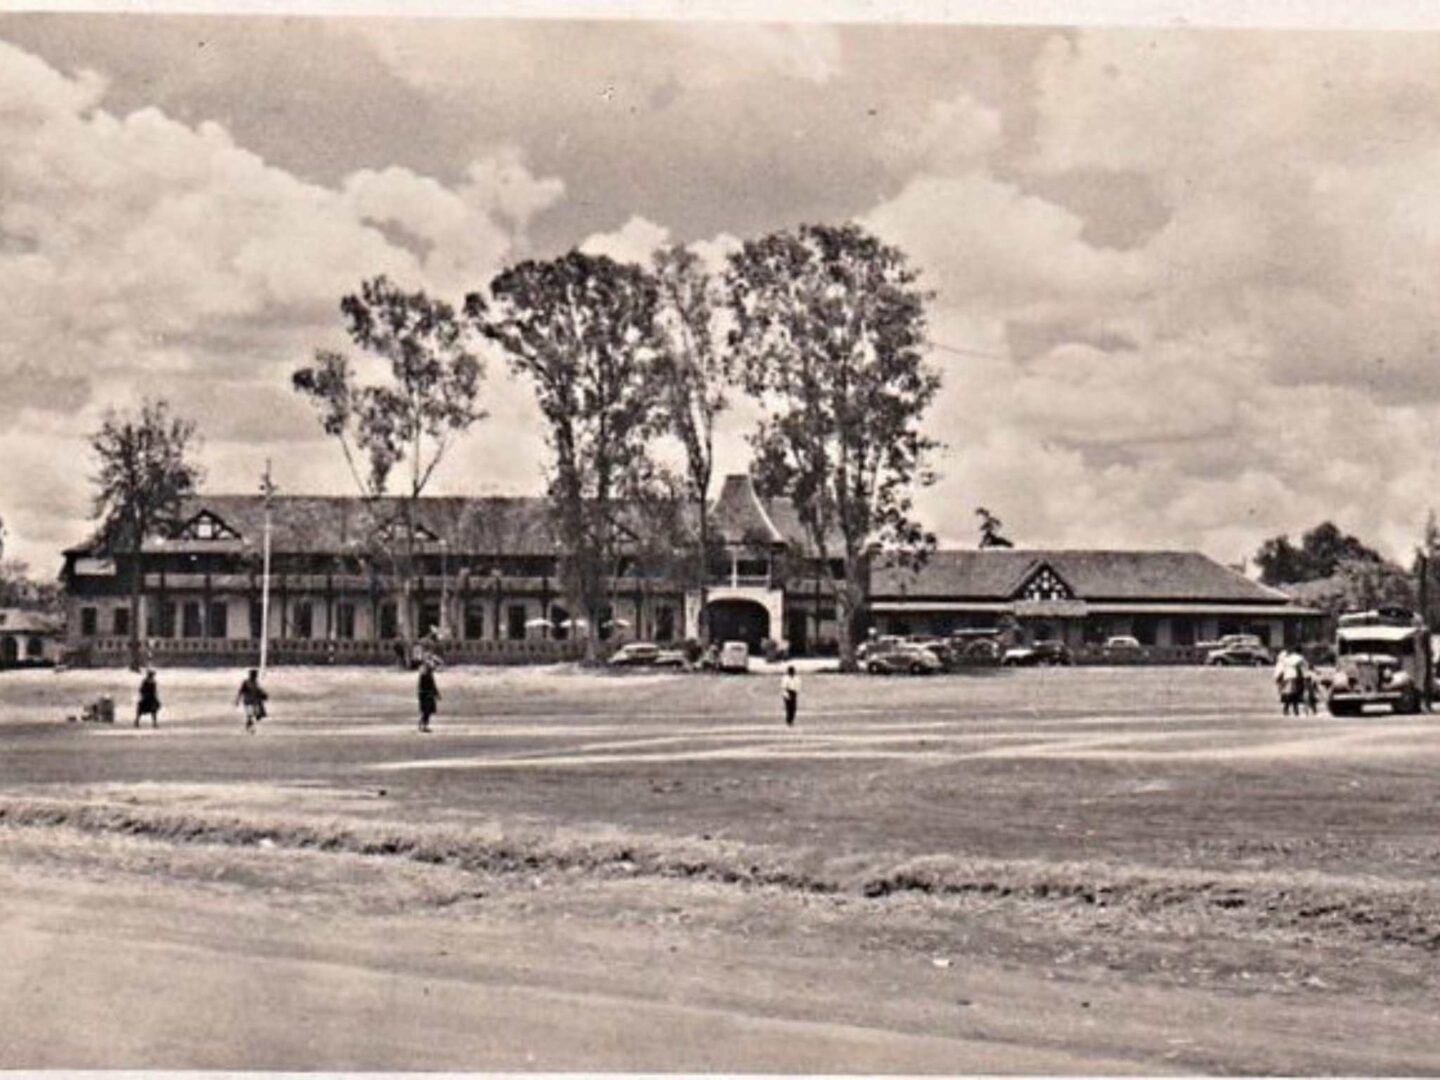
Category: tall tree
<point>696,371</point>
<point>582,329</point>
<point>829,335</point>
<point>145,470</point>
<point>412,418</point>
<point>990,526</point>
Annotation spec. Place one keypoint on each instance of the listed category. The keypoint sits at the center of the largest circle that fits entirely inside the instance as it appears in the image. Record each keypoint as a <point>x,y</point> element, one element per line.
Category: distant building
<point>487,583</point>
<point>29,638</point>
<point>1161,598</point>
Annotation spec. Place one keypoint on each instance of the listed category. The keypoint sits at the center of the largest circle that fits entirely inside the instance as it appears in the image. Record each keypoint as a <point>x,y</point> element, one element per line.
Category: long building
<point>487,582</point>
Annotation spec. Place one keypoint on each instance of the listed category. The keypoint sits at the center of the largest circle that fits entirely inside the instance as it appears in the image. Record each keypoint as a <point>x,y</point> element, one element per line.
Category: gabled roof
<point>739,517</point>
<point>996,574</point>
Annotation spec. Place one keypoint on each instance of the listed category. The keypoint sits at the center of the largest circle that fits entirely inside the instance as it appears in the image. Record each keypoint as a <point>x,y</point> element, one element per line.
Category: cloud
<point>142,255</point>
<point>633,242</point>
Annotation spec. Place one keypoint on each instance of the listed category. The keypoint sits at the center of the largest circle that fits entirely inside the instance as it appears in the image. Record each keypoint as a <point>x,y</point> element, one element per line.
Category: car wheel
<point>917,669</point>
<point>873,668</point>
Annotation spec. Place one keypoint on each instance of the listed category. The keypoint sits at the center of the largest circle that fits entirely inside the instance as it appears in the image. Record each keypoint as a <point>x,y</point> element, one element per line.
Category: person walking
<point>790,694</point>
<point>252,695</point>
<point>149,702</point>
<point>429,695</point>
<point>1290,679</point>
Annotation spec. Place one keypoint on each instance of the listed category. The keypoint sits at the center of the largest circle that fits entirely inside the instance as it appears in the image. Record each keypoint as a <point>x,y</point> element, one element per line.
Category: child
<point>429,694</point>
<point>252,696</point>
<point>149,699</point>
<point>790,692</point>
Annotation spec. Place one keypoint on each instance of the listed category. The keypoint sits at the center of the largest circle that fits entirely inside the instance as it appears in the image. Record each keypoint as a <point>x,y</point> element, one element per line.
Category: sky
<point>1184,281</point>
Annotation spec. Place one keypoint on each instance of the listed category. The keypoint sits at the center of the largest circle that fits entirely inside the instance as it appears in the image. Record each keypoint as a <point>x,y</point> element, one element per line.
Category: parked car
<point>884,641</point>
<point>1239,650</point>
<point>635,654</point>
<point>735,656</point>
<point>1123,643</point>
<point>671,658</point>
<point>903,657</point>
<point>1042,653</point>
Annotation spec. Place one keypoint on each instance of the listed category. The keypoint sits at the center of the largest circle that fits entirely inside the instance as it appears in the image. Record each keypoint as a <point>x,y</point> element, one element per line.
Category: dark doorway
<point>739,620</point>
<point>796,625</point>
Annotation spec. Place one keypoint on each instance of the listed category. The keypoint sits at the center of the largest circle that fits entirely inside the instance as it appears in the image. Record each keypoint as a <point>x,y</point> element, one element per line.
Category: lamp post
<point>267,489</point>
<point>444,591</point>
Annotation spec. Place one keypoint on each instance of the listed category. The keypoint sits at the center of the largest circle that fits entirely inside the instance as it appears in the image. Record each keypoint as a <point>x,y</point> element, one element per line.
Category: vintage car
<point>902,657</point>
<point>1383,657</point>
<point>1239,650</point>
<point>734,657</point>
<point>635,654</point>
<point>1042,653</point>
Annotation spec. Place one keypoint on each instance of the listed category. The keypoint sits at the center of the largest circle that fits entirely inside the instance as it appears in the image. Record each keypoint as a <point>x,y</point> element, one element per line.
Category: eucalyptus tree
<point>582,329</point>
<point>428,396</point>
<point>829,336</point>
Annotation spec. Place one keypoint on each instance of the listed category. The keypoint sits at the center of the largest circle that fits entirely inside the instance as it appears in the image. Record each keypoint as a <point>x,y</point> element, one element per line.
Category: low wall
<point>245,652</point>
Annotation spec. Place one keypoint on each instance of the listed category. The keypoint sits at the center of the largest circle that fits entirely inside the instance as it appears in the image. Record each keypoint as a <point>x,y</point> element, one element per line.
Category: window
<point>218,624</point>
<point>1182,631</point>
<point>1143,627</point>
<point>120,622</point>
<point>429,619</point>
<point>35,648</point>
<point>191,626</point>
<point>89,620</point>
<point>302,620</point>
<point>161,620</point>
<point>665,624</point>
<point>515,622</point>
<point>345,621</point>
<point>474,622</point>
<point>256,614</point>
<point>388,623</point>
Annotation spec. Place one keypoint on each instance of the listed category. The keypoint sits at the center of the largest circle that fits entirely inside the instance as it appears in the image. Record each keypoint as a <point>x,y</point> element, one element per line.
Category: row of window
<point>199,620</point>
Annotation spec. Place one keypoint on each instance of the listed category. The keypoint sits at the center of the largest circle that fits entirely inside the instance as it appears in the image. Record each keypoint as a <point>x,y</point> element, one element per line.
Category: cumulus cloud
<point>634,242</point>
<point>140,254</point>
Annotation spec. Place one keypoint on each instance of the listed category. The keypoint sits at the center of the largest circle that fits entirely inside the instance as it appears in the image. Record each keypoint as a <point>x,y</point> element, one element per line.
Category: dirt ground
<point>1068,871</point>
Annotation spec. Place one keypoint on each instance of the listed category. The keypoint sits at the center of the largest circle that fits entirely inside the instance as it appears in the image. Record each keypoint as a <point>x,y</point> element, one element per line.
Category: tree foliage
<point>990,530</point>
<point>145,470</point>
<point>1321,553</point>
<point>583,330</point>
<point>428,397</point>
<point>829,328</point>
<point>696,371</point>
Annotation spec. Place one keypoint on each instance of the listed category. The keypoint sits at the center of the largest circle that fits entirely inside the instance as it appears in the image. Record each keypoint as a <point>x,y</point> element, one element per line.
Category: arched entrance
<point>9,651</point>
<point>739,620</point>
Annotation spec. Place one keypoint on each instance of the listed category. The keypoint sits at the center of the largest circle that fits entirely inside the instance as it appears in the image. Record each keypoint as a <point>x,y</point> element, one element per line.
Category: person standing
<point>429,695</point>
<point>149,702</point>
<point>252,695</point>
<point>790,694</point>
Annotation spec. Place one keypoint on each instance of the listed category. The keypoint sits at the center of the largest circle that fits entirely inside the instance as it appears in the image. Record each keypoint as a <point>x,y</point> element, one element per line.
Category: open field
<point>1133,869</point>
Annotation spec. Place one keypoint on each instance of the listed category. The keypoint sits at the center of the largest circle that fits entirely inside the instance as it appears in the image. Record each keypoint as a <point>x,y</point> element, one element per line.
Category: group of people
<point>252,696</point>
<point>1298,685</point>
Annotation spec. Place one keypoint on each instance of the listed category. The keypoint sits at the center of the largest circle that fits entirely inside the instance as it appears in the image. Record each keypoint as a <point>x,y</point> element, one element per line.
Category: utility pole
<point>267,489</point>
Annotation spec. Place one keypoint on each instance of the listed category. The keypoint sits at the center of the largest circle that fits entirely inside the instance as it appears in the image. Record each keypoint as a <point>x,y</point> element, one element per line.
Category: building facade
<point>486,581</point>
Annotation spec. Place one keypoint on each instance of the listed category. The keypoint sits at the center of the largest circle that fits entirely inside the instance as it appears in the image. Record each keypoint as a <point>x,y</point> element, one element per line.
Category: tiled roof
<point>998,573</point>
<point>322,524</point>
